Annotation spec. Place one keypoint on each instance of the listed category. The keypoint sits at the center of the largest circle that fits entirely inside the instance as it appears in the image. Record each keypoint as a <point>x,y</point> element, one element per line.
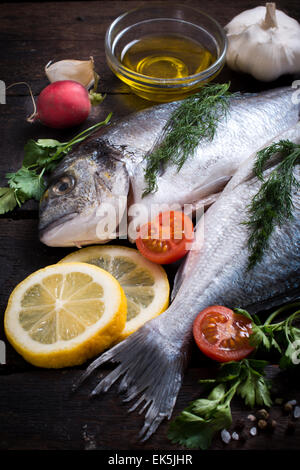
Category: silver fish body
<point>152,360</point>
<point>109,167</point>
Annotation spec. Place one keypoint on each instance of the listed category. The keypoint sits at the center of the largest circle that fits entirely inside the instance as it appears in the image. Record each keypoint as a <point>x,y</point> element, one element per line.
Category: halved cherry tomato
<point>222,334</point>
<point>167,238</point>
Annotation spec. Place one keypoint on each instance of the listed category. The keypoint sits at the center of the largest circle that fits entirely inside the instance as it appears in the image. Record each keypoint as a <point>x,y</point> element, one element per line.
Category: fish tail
<point>152,370</point>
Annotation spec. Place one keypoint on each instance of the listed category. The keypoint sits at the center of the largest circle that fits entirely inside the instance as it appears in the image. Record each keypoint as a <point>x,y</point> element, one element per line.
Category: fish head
<point>85,199</point>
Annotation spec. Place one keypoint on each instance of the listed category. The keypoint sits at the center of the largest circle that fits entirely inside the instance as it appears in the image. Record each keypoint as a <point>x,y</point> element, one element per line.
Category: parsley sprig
<point>40,157</point>
<point>199,422</point>
<point>280,336</point>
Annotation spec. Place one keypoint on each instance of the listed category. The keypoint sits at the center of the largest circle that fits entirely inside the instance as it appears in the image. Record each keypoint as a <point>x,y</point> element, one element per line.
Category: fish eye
<point>64,185</point>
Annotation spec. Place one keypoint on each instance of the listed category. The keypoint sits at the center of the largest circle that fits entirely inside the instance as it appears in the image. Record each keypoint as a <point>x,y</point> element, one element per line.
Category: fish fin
<point>197,207</point>
<point>152,370</point>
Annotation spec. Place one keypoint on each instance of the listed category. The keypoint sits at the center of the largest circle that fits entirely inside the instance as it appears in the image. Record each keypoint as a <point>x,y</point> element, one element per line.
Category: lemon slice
<point>145,284</point>
<point>64,314</point>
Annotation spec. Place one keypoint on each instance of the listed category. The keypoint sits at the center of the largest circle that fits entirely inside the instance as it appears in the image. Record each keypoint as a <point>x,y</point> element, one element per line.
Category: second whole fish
<point>108,169</point>
<point>150,363</point>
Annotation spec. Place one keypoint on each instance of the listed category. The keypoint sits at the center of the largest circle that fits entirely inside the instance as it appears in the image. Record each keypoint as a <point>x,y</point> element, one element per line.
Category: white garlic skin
<point>264,53</point>
<point>81,71</point>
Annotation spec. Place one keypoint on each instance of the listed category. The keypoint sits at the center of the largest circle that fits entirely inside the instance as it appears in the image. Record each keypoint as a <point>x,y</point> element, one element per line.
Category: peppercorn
<point>288,408</point>
<point>262,414</point>
<point>262,424</point>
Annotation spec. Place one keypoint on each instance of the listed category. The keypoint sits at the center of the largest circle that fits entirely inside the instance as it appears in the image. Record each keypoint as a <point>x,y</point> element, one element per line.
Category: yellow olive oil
<point>166,56</point>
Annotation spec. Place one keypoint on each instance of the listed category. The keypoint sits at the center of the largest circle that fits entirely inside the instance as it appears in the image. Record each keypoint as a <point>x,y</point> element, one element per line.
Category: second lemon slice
<point>145,284</point>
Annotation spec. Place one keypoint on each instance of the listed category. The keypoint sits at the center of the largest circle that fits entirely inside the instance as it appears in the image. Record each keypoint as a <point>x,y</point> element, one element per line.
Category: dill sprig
<point>195,119</point>
<point>272,205</point>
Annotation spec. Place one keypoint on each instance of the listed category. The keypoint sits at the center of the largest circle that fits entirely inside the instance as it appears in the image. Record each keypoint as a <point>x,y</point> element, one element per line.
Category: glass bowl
<point>167,21</point>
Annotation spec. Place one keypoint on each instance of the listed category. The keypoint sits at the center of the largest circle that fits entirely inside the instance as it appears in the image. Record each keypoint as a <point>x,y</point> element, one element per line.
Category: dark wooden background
<point>37,410</point>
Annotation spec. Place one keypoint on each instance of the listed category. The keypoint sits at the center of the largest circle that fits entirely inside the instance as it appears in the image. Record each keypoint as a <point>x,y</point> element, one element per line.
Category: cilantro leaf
<point>263,335</point>
<point>42,153</point>
<point>259,337</point>
<point>258,365</point>
<point>52,143</point>
<point>196,426</point>
<point>262,392</point>
<point>39,157</point>
<point>253,387</point>
<point>229,371</point>
<point>28,182</point>
<point>190,431</point>
<point>7,200</point>
<point>34,154</point>
<point>204,406</point>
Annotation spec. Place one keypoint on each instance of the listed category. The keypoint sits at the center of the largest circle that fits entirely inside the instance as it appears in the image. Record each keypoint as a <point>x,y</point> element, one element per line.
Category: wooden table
<point>37,410</point>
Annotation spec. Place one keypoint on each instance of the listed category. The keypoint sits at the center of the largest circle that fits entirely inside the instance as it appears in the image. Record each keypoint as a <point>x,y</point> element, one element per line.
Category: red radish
<point>63,104</point>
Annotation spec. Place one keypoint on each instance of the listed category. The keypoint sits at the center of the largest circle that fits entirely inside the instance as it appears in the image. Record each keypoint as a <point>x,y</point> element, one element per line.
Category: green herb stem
<point>279,311</point>
<point>272,205</point>
<point>196,119</point>
<point>40,156</point>
<point>197,424</point>
<point>279,336</point>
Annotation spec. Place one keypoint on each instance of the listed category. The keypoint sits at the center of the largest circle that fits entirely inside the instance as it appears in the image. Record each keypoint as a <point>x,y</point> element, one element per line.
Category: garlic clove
<point>81,71</point>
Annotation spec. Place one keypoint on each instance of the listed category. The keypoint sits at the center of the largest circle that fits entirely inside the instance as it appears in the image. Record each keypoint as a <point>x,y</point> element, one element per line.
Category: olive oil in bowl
<point>165,51</point>
<point>166,56</point>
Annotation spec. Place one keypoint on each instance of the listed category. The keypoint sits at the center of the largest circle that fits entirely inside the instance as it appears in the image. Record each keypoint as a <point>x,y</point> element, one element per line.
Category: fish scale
<point>110,165</point>
<point>152,361</point>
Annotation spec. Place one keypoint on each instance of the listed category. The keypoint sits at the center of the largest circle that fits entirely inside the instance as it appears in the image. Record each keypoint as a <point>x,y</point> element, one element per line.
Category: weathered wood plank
<point>36,408</point>
<point>49,417</point>
<point>21,254</point>
<point>18,131</point>
<point>32,34</point>
<point>55,21</point>
<point>31,71</point>
<point>66,421</point>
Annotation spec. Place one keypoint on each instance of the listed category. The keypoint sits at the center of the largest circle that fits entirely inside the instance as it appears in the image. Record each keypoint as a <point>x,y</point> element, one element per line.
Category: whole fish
<point>107,170</point>
<point>153,359</point>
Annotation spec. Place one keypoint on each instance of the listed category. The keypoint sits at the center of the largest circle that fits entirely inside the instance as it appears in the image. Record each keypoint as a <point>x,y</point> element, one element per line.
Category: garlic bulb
<point>264,42</point>
<point>81,71</point>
